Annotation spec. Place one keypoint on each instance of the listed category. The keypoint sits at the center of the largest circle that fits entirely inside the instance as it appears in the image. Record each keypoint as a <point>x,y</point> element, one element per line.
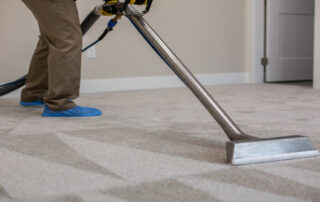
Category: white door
<point>290,30</point>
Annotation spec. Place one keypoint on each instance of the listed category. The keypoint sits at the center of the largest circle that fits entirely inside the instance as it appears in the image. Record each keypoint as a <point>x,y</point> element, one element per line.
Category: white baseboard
<point>145,83</point>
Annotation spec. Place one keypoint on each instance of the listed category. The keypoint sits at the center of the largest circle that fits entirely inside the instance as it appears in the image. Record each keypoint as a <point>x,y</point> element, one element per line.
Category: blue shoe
<point>38,103</point>
<point>77,111</point>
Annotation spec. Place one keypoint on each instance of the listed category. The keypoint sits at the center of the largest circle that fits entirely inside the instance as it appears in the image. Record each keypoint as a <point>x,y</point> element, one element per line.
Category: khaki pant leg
<point>37,79</point>
<point>60,27</point>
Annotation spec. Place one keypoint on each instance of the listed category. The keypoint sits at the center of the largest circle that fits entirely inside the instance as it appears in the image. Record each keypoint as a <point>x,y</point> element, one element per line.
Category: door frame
<point>256,40</point>
<point>316,64</point>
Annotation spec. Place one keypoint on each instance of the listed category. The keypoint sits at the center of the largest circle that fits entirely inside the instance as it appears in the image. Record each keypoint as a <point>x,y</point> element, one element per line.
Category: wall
<point>317,47</point>
<point>208,37</point>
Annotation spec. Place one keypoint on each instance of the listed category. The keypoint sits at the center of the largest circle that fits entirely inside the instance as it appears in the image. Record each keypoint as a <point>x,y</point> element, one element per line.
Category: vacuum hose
<point>90,20</point>
<point>12,86</point>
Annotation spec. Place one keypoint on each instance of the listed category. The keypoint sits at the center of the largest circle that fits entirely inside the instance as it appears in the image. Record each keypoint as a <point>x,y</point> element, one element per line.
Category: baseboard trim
<point>147,83</point>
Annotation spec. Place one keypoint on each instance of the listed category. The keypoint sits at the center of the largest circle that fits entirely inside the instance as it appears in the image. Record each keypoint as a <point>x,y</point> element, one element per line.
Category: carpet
<point>157,145</point>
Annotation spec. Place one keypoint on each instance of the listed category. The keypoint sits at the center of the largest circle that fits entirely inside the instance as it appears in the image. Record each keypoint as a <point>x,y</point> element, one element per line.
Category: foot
<point>77,111</point>
<point>38,103</point>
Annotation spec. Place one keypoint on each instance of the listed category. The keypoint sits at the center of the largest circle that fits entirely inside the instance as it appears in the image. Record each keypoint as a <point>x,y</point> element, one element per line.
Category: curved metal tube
<point>227,124</point>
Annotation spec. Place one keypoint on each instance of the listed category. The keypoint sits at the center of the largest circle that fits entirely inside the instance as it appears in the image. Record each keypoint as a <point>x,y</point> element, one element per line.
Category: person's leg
<point>60,28</point>
<point>59,22</point>
<point>37,79</point>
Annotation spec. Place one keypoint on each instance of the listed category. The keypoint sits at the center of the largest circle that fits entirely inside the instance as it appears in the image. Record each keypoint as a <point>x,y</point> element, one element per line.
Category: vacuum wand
<point>242,149</point>
<point>226,123</point>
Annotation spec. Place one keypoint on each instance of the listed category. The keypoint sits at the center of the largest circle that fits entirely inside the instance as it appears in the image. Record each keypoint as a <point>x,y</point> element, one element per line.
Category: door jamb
<point>255,39</point>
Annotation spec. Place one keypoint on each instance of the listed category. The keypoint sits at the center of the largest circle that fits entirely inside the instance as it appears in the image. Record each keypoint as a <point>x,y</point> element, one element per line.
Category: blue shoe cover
<point>37,103</point>
<point>77,111</point>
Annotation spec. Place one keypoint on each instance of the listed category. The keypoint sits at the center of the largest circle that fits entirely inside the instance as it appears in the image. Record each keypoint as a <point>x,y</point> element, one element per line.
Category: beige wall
<point>317,47</point>
<point>210,41</point>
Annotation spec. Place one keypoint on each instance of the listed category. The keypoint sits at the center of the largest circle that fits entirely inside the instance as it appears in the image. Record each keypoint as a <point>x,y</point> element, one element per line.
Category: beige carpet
<point>157,145</point>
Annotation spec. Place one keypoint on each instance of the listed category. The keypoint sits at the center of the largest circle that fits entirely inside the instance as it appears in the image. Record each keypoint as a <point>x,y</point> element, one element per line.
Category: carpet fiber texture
<point>157,145</point>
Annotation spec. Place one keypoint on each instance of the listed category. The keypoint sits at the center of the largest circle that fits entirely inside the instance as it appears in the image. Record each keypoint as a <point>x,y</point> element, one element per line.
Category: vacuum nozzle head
<point>243,152</point>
